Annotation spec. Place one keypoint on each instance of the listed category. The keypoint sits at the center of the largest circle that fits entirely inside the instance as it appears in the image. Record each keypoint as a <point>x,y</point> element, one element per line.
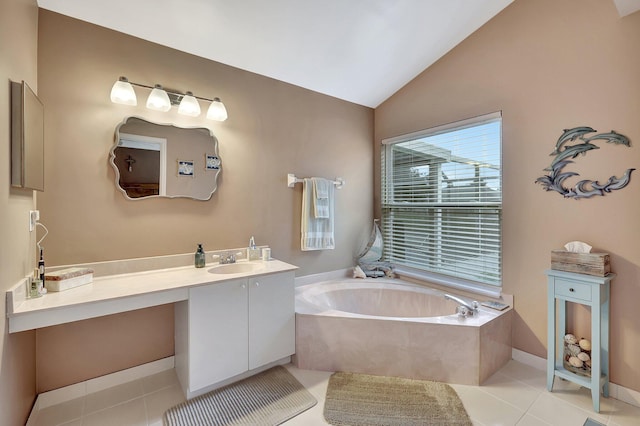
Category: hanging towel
<point>317,233</point>
<point>321,197</point>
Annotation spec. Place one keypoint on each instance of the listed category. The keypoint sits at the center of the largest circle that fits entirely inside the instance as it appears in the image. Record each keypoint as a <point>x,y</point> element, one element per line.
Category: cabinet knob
<point>571,289</point>
<point>243,286</point>
<point>257,284</point>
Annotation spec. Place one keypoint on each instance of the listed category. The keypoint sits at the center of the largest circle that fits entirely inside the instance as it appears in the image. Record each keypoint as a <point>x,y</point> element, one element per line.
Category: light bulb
<point>189,105</point>
<point>158,99</point>
<point>217,111</point>
<point>122,92</point>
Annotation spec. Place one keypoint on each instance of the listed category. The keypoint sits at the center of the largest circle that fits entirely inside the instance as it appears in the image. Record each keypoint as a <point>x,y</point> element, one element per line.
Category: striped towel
<point>317,233</point>
<point>321,197</point>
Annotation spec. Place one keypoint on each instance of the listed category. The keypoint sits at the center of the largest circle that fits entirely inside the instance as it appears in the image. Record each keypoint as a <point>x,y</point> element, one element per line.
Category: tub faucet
<point>464,309</point>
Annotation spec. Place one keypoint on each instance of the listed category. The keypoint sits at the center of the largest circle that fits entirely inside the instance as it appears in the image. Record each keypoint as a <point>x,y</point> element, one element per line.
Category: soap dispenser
<point>253,252</point>
<point>199,257</point>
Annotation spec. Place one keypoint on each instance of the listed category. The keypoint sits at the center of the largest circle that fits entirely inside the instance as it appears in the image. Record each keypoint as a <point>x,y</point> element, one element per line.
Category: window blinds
<point>442,200</point>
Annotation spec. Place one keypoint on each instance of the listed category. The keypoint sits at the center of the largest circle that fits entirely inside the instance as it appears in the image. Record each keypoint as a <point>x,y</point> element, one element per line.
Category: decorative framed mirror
<point>164,160</point>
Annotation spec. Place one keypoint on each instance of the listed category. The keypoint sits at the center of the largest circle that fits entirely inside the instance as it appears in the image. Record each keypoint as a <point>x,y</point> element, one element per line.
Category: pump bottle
<point>199,257</point>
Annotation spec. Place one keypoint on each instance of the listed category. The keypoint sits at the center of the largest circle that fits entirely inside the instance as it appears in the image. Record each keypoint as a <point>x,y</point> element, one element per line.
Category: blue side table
<point>587,290</point>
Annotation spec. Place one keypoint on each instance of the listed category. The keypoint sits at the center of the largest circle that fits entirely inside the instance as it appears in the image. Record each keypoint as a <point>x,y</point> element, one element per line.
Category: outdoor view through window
<point>442,200</point>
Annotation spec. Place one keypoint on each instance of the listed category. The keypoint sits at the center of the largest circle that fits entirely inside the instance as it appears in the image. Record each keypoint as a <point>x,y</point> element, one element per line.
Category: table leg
<point>551,333</point>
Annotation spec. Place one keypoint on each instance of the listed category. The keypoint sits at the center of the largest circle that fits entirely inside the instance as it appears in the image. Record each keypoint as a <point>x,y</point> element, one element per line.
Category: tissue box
<point>582,263</point>
<point>65,279</point>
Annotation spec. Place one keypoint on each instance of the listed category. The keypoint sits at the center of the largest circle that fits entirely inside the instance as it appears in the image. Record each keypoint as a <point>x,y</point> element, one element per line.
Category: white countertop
<point>118,293</point>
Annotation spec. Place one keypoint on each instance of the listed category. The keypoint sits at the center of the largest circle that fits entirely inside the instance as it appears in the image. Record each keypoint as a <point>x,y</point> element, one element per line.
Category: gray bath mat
<point>364,400</point>
<point>269,398</point>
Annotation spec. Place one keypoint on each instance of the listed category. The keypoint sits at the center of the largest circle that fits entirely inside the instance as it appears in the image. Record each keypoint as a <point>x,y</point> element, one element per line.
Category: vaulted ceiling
<point>361,51</point>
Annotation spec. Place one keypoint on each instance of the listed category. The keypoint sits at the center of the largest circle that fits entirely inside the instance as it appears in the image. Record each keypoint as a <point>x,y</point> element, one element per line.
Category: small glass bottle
<point>36,285</point>
<point>199,261</point>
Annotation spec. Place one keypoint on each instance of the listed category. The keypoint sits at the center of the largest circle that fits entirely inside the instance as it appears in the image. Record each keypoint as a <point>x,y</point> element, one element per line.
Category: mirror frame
<point>112,158</point>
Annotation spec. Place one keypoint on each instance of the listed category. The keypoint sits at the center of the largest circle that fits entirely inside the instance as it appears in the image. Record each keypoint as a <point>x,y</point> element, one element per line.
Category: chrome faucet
<point>227,258</point>
<point>464,309</point>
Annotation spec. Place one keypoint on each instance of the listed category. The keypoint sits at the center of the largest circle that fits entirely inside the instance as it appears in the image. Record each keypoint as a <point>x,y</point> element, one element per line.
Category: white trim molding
<point>82,389</point>
<point>616,391</point>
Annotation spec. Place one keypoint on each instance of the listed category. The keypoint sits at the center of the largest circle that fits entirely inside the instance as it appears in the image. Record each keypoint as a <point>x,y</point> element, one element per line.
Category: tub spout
<point>464,309</point>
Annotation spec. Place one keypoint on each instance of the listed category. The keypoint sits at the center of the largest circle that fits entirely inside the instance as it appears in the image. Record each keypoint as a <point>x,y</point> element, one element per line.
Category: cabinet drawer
<point>573,290</point>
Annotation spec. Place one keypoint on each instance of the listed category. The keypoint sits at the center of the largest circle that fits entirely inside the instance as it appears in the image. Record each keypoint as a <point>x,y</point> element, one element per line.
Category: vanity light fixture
<point>217,111</point>
<point>158,99</point>
<point>122,92</point>
<point>162,100</point>
<point>189,105</point>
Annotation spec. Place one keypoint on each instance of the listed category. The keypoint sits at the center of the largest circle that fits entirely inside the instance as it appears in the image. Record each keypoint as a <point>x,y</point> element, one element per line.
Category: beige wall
<point>70,353</point>
<point>18,60</point>
<point>548,65</point>
<point>273,129</point>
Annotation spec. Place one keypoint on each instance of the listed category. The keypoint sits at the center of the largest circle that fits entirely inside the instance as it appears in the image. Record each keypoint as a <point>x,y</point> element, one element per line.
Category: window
<point>442,201</point>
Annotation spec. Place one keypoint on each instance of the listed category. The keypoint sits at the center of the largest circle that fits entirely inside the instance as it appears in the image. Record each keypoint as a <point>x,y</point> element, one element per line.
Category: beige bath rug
<point>269,398</point>
<point>360,399</point>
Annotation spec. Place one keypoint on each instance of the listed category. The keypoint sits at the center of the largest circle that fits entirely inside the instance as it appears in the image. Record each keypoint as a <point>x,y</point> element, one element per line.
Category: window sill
<point>451,282</point>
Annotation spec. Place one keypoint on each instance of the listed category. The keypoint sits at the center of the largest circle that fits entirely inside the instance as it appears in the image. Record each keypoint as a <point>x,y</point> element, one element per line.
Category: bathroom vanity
<point>231,321</point>
<point>227,329</point>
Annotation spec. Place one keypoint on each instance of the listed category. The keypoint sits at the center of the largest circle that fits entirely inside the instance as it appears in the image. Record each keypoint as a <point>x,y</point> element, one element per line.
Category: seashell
<point>574,349</point>
<point>575,361</point>
<point>583,356</point>
<point>570,338</point>
<point>585,344</point>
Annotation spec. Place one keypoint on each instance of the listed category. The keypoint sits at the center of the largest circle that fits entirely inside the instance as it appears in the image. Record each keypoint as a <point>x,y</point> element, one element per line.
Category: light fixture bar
<point>176,98</point>
<point>172,92</point>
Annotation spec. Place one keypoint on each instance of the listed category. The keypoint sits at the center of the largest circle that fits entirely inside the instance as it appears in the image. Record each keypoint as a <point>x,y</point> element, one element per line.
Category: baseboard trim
<point>616,391</point>
<point>531,360</point>
<point>79,390</point>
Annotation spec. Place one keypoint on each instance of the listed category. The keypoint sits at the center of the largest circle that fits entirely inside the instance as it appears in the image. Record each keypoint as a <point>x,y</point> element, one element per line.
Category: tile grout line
<point>113,406</point>
<point>84,406</point>
<point>496,398</point>
<point>159,389</point>
<point>589,413</point>
<point>519,383</point>
<point>533,415</point>
<point>146,408</point>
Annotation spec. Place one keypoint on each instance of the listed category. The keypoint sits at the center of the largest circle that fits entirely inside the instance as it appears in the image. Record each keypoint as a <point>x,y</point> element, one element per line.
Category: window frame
<point>387,185</point>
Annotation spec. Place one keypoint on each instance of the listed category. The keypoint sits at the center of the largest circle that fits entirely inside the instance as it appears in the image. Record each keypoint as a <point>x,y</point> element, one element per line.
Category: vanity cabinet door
<point>271,318</point>
<point>218,326</point>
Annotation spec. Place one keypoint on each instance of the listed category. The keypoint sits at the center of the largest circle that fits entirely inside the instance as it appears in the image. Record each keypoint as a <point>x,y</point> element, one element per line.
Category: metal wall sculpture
<point>564,153</point>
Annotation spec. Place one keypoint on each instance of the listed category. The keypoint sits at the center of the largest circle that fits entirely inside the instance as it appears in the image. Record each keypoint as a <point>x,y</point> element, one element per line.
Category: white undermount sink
<point>236,268</point>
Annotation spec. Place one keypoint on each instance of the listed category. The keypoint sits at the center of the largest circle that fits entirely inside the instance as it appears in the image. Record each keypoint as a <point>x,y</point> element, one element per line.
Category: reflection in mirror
<point>164,160</point>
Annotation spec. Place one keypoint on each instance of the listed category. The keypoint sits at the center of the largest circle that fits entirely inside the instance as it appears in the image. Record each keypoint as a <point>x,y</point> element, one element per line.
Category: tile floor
<point>515,395</point>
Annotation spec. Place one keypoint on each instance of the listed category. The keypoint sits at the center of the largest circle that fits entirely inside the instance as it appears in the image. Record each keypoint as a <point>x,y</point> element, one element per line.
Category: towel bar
<point>292,180</point>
